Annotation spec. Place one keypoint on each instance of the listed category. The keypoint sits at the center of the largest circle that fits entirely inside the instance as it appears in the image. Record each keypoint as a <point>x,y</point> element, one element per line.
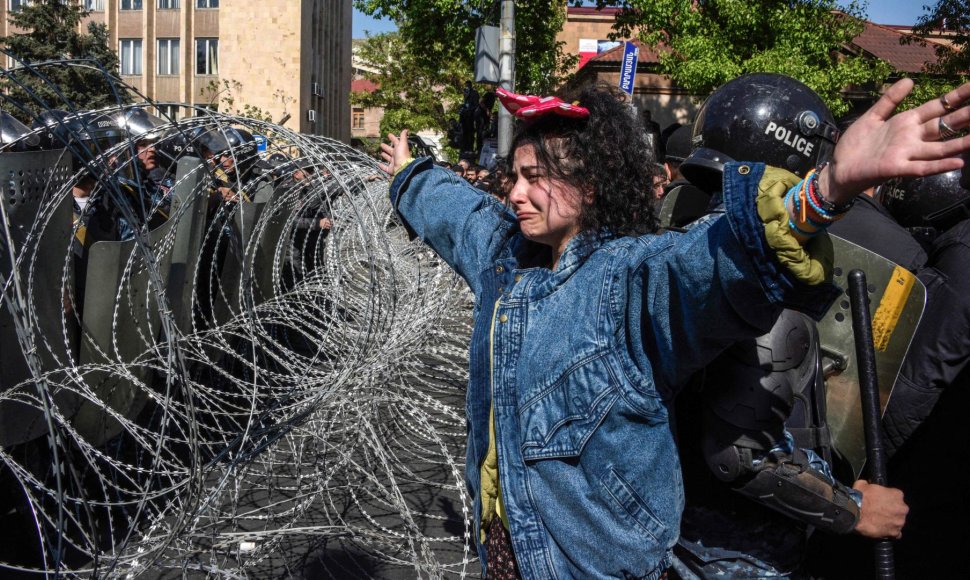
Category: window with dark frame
<point>206,56</point>
<point>206,3</point>
<point>168,4</point>
<point>131,4</point>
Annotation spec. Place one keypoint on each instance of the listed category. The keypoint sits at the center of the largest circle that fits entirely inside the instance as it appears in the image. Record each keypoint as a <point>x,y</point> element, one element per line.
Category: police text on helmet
<point>788,137</point>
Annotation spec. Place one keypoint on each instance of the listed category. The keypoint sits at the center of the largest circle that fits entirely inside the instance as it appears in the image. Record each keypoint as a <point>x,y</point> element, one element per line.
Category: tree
<point>953,65</point>
<point>440,32</point>
<point>704,43</point>
<point>953,18</point>
<point>412,94</point>
<point>424,65</point>
<point>51,33</point>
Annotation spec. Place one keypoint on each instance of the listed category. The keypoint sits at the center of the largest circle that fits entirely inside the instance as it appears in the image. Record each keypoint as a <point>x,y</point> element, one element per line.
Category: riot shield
<point>189,201</point>
<point>897,300</point>
<point>37,233</point>
<point>237,270</point>
<point>682,205</point>
<point>121,322</point>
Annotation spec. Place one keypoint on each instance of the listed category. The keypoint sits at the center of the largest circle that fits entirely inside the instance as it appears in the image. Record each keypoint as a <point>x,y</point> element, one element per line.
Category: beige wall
<point>264,61</point>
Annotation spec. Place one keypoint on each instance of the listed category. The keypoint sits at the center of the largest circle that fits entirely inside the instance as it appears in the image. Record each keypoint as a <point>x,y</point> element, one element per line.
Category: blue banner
<point>628,67</point>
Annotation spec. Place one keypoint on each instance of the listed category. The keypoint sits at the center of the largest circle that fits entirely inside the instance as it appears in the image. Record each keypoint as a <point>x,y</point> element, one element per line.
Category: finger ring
<point>946,104</point>
<point>946,131</point>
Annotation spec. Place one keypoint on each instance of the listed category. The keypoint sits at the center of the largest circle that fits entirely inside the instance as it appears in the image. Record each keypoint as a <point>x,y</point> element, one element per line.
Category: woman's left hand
<point>395,153</point>
<point>880,145</point>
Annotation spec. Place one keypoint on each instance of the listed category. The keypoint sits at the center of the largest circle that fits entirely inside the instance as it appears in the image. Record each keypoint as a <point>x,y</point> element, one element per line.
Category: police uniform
<point>751,429</point>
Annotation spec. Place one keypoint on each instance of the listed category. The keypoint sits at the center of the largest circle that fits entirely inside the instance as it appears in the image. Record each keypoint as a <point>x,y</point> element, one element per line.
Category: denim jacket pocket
<point>559,420</point>
<point>631,506</point>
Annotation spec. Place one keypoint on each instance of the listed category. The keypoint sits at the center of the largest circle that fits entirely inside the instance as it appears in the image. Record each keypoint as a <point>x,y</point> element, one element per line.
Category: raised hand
<point>396,152</point>
<point>881,145</point>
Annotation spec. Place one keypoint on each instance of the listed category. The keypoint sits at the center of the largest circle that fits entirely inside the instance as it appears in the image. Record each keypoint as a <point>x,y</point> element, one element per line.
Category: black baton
<point>865,354</point>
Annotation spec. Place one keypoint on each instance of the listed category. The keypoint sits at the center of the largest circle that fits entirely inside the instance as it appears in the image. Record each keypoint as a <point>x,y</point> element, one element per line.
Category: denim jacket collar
<point>531,256</point>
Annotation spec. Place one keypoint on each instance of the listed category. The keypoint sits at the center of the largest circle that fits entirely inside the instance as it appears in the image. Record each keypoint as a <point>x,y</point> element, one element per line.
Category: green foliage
<point>50,33</point>
<point>412,94</point>
<point>929,87</point>
<point>704,43</point>
<point>953,18</point>
<point>425,64</point>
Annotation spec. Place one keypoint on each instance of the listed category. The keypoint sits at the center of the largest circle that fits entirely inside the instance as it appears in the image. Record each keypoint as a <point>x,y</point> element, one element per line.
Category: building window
<point>167,112</point>
<point>17,5</point>
<point>168,4</point>
<point>357,120</point>
<point>129,53</point>
<point>202,109</point>
<point>206,56</point>
<point>168,56</point>
<point>206,3</point>
<point>131,4</point>
<point>94,5</point>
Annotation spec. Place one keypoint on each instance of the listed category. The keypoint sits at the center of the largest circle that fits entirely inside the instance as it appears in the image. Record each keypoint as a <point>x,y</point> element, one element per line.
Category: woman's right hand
<point>396,152</point>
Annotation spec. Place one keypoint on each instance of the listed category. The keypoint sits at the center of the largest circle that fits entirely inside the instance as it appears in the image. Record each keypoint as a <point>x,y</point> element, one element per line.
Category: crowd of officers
<point>124,164</point>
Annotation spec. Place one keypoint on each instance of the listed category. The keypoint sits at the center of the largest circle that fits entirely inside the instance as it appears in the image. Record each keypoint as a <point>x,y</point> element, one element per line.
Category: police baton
<point>869,391</point>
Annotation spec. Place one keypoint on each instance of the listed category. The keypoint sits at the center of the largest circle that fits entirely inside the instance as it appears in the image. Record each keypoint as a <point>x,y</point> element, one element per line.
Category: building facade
<point>284,57</point>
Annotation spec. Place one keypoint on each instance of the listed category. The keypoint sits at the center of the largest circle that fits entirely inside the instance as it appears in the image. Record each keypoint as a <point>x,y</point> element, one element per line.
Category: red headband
<point>530,106</point>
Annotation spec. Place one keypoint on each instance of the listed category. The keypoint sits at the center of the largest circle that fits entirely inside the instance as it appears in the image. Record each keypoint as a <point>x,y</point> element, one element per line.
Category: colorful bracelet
<point>808,212</point>
<point>827,208</point>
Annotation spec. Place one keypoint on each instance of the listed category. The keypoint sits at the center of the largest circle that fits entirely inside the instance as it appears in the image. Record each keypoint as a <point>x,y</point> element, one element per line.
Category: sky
<point>880,11</point>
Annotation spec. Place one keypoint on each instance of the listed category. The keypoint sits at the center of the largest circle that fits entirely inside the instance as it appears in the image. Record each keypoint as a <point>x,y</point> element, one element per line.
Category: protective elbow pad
<point>803,494</point>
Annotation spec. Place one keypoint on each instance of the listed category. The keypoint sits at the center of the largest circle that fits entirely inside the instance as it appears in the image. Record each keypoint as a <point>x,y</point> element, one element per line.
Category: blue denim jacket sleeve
<point>463,225</point>
<point>716,284</point>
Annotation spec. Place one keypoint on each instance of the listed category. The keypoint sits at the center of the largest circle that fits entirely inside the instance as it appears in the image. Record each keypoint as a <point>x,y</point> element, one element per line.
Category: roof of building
<point>615,54</point>
<point>363,86</point>
<point>884,42</point>
<point>591,11</point>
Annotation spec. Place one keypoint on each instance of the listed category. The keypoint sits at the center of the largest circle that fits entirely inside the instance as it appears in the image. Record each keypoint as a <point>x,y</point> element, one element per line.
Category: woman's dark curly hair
<point>606,153</point>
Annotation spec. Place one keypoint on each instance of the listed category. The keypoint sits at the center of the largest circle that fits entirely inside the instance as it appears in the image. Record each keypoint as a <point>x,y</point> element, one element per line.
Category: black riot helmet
<point>763,117</point>
<point>177,143</point>
<point>239,144</point>
<point>87,135</point>
<point>48,122</point>
<point>15,136</point>
<point>678,144</point>
<point>142,125</point>
<point>929,205</point>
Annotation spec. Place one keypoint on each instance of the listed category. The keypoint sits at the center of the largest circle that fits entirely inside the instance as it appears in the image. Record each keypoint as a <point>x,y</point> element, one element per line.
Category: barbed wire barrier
<point>236,390</point>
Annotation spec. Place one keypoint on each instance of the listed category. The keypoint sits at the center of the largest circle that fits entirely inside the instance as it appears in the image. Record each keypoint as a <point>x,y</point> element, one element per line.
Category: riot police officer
<point>752,427</point>
<point>924,422</point>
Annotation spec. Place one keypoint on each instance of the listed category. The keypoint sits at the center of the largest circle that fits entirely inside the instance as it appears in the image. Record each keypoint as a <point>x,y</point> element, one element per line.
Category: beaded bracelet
<point>809,214</point>
<point>826,208</point>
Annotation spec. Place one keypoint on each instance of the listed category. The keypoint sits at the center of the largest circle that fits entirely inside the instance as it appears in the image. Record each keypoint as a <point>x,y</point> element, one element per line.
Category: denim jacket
<point>581,362</point>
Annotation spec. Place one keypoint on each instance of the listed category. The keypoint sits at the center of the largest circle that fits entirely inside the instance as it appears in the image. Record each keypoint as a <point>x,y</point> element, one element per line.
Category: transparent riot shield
<point>121,325</point>
<point>36,278</point>
<point>897,300</point>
